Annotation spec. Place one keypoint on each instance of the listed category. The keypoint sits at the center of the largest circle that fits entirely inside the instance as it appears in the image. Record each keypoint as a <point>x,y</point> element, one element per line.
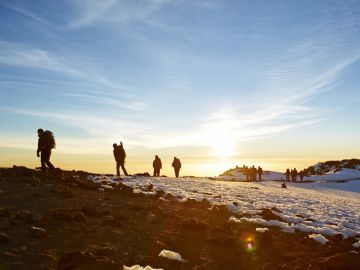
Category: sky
<point>217,83</point>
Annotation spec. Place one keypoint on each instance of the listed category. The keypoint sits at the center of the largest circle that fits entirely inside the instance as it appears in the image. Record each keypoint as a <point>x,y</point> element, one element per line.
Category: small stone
<point>79,216</point>
<point>4,238</point>
<point>4,213</point>
<point>151,218</point>
<point>37,232</point>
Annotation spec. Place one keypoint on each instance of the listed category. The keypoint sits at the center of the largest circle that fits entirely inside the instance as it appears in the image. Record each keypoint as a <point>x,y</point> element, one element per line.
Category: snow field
<point>311,208</point>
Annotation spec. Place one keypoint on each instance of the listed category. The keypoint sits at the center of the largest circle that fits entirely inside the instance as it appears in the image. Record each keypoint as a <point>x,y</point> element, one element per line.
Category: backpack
<point>49,139</point>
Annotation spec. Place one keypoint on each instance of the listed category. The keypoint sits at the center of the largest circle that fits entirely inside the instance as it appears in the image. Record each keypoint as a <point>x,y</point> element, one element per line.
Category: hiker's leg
<point>42,158</point>
<point>124,170</point>
<point>117,168</point>
<point>47,161</point>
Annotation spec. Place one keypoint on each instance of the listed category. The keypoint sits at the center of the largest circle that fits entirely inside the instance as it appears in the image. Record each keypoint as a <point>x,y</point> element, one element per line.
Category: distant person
<point>301,175</point>
<point>119,155</point>
<point>177,165</point>
<point>46,142</point>
<point>260,172</point>
<point>287,174</point>
<point>293,175</point>
<point>246,171</point>
<point>253,173</point>
<point>157,165</point>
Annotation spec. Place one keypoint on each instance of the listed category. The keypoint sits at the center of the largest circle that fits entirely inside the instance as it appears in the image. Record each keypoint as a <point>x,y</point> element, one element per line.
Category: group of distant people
<point>252,173</point>
<point>46,142</point>
<point>120,155</point>
<point>291,175</point>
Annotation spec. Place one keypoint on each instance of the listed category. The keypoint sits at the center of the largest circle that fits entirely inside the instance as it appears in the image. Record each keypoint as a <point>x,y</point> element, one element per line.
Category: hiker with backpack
<point>119,155</point>
<point>46,142</point>
<point>177,165</point>
<point>157,165</point>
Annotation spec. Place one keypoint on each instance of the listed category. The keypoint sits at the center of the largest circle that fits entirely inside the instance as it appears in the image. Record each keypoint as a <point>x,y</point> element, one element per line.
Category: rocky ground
<point>62,221</point>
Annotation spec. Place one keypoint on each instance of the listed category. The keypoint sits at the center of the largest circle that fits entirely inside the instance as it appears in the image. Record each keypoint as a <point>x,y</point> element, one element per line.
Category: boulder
<point>83,260</point>
<point>194,225</point>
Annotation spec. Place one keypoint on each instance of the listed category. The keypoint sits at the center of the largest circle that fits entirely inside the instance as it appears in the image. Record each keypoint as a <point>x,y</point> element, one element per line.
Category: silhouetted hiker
<point>46,142</point>
<point>253,173</point>
<point>260,172</point>
<point>246,171</point>
<point>287,173</point>
<point>177,165</point>
<point>157,165</point>
<point>293,174</point>
<point>119,154</point>
<point>301,174</point>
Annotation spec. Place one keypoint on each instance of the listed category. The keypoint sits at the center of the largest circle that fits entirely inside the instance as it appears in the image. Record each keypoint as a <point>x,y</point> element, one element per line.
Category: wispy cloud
<point>25,13</point>
<point>25,56</point>
<point>92,12</point>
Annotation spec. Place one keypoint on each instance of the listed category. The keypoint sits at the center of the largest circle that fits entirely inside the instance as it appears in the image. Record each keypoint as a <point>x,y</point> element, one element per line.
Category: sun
<point>222,143</point>
<point>223,148</point>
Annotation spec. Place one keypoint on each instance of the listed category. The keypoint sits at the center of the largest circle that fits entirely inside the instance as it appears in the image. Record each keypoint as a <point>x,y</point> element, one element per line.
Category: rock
<point>104,251</point>
<point>25,216</point>
<point>194,225</point>
<point>267,214</point>
<point>111,221</point>
<point>4,238</point>
<point>79,216</point>
<point>61,214</point>
<point>151,218</point>
<point>222,240</point>
<point>81,260</point>
<point>145,174</point>
<point>91,211</point>
<point>37,232</point>
<point>159,193</point>
<point>149,187</point>
<point>340,261</point>
<point>4,213</point>
<point>283,185</point>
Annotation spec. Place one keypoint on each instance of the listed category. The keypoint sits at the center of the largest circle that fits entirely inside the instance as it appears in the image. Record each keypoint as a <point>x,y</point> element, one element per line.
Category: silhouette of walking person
<point>287,173</point>
<point>253,173</point>
<point>119,154</point>
<point>46,142</point>
<point>260,172</point>
<point>177,165</point>
<point>246,171</point>
<point>301,174</point>
<point>157,165</point>
<point>293,175</point>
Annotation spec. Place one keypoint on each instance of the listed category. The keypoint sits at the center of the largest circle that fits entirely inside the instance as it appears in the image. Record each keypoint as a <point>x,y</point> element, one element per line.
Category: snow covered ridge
<point>333,175</point>
<point>327,166</point>
<point>315,208</point>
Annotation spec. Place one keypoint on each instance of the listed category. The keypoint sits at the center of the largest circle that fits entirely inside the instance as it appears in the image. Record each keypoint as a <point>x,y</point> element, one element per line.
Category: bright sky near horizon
<point>213,82</point>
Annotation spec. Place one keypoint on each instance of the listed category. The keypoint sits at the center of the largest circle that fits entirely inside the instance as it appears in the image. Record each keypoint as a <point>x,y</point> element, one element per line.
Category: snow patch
<point>319,238</point>
<point>262,230</point>
<point>138,267</point>
<point>357,244</point>
<point>171,255</point>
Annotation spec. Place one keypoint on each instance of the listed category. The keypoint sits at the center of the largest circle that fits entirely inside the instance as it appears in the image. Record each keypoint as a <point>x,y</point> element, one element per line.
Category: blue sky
<point>213,82</point>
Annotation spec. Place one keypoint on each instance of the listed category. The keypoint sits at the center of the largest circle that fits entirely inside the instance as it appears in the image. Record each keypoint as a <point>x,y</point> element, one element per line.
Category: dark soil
<point>61,221</point>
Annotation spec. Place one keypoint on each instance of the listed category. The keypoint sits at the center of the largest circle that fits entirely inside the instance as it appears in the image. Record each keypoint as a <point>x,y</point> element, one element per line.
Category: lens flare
<point>250,244</point>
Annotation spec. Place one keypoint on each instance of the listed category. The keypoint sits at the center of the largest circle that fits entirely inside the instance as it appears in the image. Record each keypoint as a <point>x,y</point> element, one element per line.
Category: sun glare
<point>222,143</point>
<point>223,148</point>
